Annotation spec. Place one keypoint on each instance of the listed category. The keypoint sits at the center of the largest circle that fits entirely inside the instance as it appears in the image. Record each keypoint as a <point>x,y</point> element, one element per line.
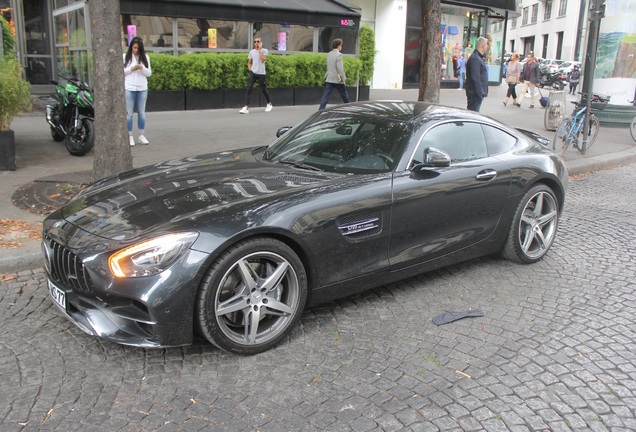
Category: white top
<point>258,67</point>
<point>137,80</point>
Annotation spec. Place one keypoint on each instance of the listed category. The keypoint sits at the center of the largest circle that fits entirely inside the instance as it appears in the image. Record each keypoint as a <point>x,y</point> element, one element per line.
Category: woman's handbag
<point>512,79</point>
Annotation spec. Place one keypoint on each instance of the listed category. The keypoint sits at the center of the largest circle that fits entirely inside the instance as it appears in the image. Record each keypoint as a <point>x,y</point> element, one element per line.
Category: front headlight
<point>152,256</point>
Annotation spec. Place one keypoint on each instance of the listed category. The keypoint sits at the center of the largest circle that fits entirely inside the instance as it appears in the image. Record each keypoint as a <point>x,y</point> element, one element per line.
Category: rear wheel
<point>632,129</point>
<point>562,138</point>
<point>80,141</point>
<point>534,226</point>
<point>252,296</point>
<point>595,125</point>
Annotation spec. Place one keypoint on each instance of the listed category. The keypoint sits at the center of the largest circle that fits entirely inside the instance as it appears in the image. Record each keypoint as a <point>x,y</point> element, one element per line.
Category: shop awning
<point>330,13</point>
<point>509,5</point>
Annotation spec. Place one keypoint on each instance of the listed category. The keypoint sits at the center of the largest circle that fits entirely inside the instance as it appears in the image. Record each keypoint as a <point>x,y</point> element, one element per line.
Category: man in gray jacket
<point>335,76</point>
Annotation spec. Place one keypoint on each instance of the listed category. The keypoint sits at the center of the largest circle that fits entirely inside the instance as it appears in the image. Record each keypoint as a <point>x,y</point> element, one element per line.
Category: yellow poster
<point>211,38</point>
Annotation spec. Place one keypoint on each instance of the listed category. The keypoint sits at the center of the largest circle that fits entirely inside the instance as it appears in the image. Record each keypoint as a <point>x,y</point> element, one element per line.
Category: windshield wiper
<point>298,164</point>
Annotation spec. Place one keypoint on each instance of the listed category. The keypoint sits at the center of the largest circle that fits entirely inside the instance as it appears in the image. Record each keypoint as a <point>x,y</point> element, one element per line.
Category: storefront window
<point>71,43</point>
<point>348,36</point>
<point>214,34</point>
<point>154,31</point>
<point>285,37</point>
<point>460,28</point>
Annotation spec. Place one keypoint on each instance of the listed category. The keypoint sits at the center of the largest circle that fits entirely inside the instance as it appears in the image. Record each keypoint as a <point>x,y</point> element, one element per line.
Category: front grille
<point>66,269</point>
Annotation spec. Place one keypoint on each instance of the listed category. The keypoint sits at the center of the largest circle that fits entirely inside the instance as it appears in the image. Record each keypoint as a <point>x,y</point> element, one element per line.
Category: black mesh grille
<point>67,270</point>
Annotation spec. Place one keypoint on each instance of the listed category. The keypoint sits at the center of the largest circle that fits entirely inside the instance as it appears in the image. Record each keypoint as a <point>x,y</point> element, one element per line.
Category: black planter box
<point>235,98</point>
<point>283,96</point>
<point>308,95</point>
<point>165,100</point>
<point>7,150</point>
<point>203,99</point>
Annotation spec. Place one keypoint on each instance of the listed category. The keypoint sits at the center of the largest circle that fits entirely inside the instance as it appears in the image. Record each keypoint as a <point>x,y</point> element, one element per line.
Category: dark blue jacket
<point>476,75</point>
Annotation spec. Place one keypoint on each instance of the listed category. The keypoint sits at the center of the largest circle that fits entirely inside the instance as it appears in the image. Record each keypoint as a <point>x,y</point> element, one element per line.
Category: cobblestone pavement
<point>556,350</point>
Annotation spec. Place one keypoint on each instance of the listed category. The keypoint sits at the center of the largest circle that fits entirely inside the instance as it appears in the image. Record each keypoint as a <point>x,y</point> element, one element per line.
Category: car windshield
<point>343,142</point>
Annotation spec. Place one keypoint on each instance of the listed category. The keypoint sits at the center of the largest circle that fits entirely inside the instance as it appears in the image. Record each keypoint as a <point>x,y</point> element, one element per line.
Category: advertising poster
<point>615,71</point>
<point>282,41</point>
<point>132,32</point>
<point>212,38</point>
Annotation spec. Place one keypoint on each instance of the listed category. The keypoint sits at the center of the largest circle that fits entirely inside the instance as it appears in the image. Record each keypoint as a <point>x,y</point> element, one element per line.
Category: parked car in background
<point>550,65</point>
<point>566,67</point>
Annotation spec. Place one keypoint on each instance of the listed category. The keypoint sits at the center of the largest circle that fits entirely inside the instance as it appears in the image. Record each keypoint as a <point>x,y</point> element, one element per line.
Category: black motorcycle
<point>552,79</point>
<point>71,118</point>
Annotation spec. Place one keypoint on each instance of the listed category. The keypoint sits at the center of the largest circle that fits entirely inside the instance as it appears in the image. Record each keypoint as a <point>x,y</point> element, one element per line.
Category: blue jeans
<point>328,89</point>
<point>137,98</point>
<point>461,79</point>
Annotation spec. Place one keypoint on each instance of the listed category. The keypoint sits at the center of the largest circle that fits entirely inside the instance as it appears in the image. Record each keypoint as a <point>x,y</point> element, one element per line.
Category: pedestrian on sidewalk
<point>477,76</point>
<point>256,64</point>
<point>136,73</point>
<point>461,66</point>
<point>530,77</point>
<point>335,76</point>
<point>573,78</point>
<point>513,72</point>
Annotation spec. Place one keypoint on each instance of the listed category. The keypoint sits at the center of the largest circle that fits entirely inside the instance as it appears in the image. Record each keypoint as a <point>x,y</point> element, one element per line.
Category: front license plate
<point>57,295</point>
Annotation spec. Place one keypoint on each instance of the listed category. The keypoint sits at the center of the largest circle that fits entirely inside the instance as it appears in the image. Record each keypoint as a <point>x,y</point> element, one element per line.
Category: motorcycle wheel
<point>80,141</point>
<point>558,85</point>
<point>57,136</point>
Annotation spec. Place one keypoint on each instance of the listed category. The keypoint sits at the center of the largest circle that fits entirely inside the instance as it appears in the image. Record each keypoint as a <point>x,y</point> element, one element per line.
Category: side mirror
<point>282,131</point>
<point>433,158</point>
<point>344,130</point>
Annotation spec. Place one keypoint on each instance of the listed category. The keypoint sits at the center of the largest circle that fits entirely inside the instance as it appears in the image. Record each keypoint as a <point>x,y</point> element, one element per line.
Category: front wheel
<point>632,129</point>
<point>252,296</point>
<point>533,227</point>
<point>562,138</point>
<point>595,125</point>
<point>80,141</point>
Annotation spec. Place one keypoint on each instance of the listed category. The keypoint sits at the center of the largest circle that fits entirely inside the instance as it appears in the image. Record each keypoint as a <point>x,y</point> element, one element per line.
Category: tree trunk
<point>431,63</point>
<point>112,150</point>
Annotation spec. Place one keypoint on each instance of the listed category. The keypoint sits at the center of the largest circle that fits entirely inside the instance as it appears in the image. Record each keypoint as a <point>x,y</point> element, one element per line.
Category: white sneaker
<point>131,140</point>
<point>142,140</point>
<point>244,110</point>
<point>268,108</point>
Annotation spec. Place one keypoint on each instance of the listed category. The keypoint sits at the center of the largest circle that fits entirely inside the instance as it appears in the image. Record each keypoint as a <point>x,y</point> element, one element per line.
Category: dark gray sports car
<point>236,244</point>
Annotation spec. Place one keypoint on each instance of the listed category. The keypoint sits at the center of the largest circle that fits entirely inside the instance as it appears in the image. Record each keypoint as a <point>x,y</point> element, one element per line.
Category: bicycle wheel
<point>632,129</point>
<point>562,138</point>
<point>595,125</point>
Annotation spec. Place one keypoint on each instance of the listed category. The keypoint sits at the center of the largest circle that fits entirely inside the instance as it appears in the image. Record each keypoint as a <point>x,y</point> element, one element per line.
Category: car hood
<point>160,197</point>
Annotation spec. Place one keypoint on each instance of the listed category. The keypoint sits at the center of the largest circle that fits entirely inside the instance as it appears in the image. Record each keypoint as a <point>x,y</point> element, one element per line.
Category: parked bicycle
<point>571,129</point>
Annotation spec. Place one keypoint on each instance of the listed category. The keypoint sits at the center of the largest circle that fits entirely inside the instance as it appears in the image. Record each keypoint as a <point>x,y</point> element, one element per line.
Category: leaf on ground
<point>13,232</point>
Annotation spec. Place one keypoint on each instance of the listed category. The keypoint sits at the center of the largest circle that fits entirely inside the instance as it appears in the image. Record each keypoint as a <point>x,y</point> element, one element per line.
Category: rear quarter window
<point>497,140</point>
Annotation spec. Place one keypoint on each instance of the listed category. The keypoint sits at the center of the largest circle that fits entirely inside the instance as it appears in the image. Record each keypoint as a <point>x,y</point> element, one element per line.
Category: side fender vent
<point>360,226</point>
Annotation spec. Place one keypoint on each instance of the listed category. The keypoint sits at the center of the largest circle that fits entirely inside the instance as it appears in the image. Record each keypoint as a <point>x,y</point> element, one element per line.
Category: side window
<point>497,140</point>
<point>463,141</point>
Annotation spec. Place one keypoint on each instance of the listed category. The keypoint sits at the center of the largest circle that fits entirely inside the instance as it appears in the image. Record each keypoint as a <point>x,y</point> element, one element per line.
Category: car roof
<point>405,111</point>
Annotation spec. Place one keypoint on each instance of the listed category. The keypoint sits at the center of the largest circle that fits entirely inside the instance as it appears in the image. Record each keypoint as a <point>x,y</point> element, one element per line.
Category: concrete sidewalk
<point>176,134</point>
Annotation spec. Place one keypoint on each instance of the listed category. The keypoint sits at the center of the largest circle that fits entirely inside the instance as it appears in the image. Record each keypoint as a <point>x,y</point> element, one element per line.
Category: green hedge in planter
<point>209,71</point>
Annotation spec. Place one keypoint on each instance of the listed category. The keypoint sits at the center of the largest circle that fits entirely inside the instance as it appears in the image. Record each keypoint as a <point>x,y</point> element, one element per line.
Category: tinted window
<point>463,141</point>
<point>497,140</point>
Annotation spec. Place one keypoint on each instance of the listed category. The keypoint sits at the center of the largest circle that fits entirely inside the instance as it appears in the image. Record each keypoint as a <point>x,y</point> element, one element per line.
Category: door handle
<point>488,174</point>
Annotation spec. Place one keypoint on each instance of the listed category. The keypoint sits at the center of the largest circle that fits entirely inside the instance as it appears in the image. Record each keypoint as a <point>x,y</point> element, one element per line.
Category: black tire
<point>632,128</point>
<point>558,85</point>
<point>57,136</point>
<point>80,141</point>
<point>561,141</point>
<point>595,125</point>
<point>240,307</point>
<point>534,226</point>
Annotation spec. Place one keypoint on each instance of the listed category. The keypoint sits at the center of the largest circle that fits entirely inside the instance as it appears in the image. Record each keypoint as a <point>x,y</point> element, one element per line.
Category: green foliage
<point>8,41</point>
<point>209,71</point>
<point>14,91</point>
<point>202,71</point>
<point>168,72</point>
<point>367,54</point>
